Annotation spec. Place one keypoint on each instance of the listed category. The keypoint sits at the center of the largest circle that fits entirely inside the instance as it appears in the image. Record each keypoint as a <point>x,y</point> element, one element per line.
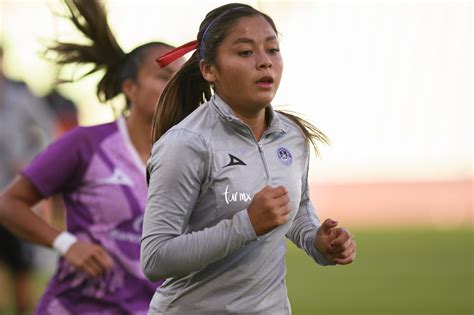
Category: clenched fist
<point>337,244</point>
<point>269,208</point>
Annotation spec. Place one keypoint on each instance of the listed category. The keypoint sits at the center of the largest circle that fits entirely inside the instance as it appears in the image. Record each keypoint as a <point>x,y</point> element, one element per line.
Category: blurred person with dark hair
<point>100,172</point>
<point>64,109</point>
<point>26,126</point>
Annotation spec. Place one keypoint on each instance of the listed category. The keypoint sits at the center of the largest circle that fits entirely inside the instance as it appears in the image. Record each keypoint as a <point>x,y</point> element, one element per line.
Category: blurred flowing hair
<point>102,50</point>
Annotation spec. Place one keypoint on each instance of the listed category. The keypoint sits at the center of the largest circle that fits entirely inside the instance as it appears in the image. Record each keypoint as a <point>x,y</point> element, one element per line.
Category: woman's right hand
<point>269,208</point>
<point>17,216</point>
<point>89,258</point>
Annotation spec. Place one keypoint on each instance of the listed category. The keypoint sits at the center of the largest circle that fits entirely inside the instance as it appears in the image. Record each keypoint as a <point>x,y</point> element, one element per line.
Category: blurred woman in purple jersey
<point>100,172</point>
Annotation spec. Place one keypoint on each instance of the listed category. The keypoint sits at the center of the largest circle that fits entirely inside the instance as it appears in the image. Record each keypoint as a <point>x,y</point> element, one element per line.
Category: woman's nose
<point>264,61</point>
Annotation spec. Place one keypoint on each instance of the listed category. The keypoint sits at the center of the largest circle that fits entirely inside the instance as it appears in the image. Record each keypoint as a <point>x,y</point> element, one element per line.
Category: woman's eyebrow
<point>246,40</point>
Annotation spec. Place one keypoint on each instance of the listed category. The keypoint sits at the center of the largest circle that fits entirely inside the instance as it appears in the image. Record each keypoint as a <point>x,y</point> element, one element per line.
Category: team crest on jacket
<point>284,155</point>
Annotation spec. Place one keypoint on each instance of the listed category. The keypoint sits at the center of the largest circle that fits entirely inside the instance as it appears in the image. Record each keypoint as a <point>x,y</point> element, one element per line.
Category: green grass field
<point>405,271</point>
<point>397,271</point>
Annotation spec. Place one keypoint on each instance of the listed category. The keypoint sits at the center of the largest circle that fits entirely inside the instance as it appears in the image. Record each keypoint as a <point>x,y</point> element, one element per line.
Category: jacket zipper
<point>262,156</point>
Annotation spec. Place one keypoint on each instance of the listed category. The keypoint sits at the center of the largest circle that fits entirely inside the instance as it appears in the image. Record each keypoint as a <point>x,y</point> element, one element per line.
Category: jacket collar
<point>226,113</point>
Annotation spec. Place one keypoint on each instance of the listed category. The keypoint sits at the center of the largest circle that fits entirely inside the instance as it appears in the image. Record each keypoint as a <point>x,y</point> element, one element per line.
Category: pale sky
<point>390,82</point>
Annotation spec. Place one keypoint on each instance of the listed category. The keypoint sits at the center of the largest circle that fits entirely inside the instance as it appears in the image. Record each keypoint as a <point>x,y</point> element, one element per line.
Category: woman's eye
<point>274,50</point>
<point>245,53</point>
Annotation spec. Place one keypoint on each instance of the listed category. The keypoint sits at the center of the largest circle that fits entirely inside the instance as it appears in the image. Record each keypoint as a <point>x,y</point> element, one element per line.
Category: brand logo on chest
<point>117,178</point>
<point>234,161</point>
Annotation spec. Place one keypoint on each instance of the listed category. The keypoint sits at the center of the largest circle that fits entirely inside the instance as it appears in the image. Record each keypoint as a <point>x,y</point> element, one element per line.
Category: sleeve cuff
<point>247,230</point>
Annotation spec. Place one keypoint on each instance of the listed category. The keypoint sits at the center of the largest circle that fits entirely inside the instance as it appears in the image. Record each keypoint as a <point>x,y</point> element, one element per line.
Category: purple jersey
<point>102,180</point>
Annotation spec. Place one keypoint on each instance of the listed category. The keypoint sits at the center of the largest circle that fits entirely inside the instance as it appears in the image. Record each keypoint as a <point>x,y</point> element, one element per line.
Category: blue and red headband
<point>180,51</point>
<point>176,53</point>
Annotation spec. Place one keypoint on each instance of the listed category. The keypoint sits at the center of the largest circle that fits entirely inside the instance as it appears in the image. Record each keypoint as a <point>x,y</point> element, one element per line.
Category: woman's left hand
<point>336,243</point>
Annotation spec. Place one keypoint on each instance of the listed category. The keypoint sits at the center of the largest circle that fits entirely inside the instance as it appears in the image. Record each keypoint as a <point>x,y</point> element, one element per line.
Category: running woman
<point>100,172</point>
<point>228,177</point>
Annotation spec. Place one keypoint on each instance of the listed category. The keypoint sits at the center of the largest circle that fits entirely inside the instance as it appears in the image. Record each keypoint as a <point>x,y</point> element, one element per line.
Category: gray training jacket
<point>196,231</point>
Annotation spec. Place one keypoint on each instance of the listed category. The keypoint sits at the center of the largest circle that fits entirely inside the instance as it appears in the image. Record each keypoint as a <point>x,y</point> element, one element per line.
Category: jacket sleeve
<point>179,165</point>
<point>306,223</point>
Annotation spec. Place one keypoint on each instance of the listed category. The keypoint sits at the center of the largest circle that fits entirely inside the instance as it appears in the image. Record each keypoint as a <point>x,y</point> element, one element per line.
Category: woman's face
<point>150,82</point>
<point>248,67</point>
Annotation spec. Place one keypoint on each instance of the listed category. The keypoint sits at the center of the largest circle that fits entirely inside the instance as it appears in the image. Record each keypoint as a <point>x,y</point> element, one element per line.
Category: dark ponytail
<point>102,51</point>
<point>188,89</point>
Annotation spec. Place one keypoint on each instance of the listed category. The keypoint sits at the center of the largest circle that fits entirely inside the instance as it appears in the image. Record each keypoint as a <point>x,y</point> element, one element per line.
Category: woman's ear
<point>129,89</point>
<point>208,71</point>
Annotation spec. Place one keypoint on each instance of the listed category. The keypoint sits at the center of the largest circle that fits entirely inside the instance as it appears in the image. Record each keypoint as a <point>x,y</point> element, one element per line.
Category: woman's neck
<point>140,135</point>
<point>253,116</point>
<point>256,122</point>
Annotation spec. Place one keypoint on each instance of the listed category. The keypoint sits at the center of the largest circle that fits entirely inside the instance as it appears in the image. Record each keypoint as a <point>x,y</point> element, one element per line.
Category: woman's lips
<point>265,82</point>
